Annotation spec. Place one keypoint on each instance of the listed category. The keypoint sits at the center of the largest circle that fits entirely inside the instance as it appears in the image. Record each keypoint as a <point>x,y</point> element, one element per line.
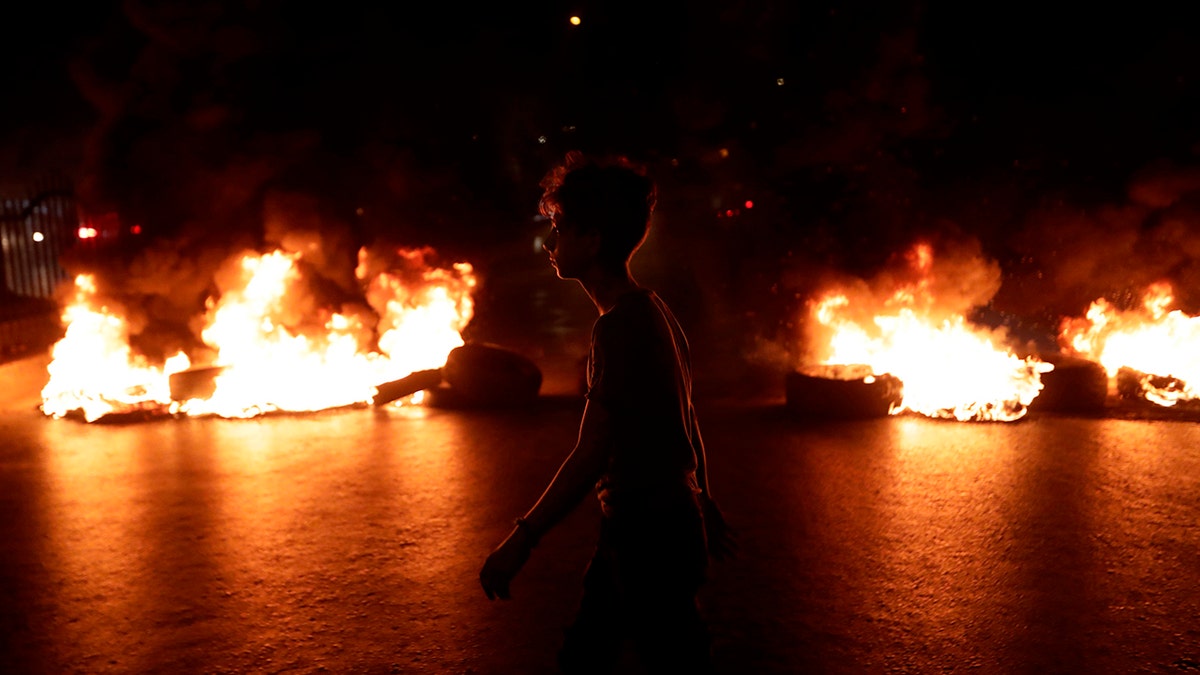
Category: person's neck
<point>605,287</point>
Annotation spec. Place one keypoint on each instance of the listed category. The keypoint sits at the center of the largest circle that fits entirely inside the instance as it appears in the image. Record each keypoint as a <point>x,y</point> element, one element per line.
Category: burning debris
<point>270,343</point>
<point>1149,353</point>
<point>909,325</point>
<point>95,371</point>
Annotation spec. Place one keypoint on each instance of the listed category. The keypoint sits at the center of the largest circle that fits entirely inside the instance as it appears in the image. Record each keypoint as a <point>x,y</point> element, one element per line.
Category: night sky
<point>1062,141</point>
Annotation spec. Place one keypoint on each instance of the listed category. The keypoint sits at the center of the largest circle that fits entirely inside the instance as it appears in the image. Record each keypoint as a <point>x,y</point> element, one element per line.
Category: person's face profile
<point>571,250</point>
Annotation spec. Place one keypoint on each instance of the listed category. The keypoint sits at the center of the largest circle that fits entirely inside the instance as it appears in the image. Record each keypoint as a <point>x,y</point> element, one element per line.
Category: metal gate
<point>36,226</point>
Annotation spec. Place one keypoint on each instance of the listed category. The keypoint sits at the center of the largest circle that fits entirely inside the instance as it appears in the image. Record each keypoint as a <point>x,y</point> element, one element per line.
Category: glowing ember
<point>1156,342</point>
<point>948,368</point>
<point>276,349</point>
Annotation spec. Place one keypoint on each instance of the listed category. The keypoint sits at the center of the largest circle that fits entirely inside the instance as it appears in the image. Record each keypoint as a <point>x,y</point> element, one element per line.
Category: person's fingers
<point>722,544</point>
<point>487,588</point>
<point>495,585</point>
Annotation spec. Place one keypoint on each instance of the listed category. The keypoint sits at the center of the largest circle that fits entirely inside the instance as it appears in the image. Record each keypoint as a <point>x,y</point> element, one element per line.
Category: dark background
<point>1061,140</point>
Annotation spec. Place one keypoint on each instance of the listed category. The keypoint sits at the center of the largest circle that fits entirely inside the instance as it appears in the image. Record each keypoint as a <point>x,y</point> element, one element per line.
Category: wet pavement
<point>350,541</point>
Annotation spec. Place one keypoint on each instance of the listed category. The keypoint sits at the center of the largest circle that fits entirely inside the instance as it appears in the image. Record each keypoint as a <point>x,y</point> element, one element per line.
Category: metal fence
<point>36,226</point>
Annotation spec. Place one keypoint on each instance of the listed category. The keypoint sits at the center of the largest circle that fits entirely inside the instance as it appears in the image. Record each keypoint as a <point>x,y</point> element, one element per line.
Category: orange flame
<point>948,368</point>
<point>1155,341</point>
<point>94,370</point>
<point>277,351</point>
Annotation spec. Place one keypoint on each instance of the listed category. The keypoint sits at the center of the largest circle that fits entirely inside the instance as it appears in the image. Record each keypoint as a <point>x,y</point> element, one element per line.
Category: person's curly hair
<point>612,197</point>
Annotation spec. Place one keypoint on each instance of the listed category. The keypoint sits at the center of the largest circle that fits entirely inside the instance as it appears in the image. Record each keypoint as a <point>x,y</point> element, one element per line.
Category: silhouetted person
<point>639,443</point>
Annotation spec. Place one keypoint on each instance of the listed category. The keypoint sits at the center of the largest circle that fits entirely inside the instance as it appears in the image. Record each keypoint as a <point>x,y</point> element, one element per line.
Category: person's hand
<point>722,543</point>
<point>504,563</point>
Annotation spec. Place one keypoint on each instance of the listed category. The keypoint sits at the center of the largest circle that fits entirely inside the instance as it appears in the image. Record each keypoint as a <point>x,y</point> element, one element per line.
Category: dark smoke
<point>1075,253</point>
<point>854,130</point>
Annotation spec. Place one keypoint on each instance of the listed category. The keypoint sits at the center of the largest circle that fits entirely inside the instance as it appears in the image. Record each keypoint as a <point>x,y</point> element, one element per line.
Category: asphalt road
<point>350,541</point>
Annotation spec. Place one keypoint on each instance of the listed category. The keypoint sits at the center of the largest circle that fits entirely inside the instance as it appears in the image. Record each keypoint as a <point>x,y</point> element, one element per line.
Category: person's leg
<point>661,570</point>
<point>670,635</point>
<point>592,643</point>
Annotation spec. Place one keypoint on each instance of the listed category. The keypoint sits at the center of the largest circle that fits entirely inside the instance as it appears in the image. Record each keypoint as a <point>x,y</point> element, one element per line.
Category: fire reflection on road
<point>287,535</point>
<point>907,544</point>
<point>351,540</point>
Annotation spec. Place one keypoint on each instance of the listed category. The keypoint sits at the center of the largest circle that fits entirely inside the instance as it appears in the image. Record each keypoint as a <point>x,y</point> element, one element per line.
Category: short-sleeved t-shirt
<point>639,369</point>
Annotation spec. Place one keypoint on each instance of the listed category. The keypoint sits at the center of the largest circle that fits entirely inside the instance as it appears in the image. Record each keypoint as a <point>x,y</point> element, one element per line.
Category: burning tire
<point>475,376</point>
<point>486,376</point>
<point>1164,391</point>
<point>1074,386</point>
<point>841,392</point>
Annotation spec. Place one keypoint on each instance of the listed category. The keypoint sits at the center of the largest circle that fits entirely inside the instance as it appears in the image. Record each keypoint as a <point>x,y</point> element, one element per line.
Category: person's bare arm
<point>701,458</point>
<point>721,541</point>
<point>578,474</point>
<point>574,480</point>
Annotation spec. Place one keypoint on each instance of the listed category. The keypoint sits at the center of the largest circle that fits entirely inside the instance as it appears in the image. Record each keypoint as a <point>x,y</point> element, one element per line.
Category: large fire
<point>1155,343</point>
<point>949,368</point>
<point>272,349</point>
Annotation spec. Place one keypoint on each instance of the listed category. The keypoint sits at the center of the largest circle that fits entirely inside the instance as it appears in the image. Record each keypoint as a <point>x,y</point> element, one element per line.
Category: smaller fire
<point>949,368</point>
<point>94,370</point>
<point>1153,341</point>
